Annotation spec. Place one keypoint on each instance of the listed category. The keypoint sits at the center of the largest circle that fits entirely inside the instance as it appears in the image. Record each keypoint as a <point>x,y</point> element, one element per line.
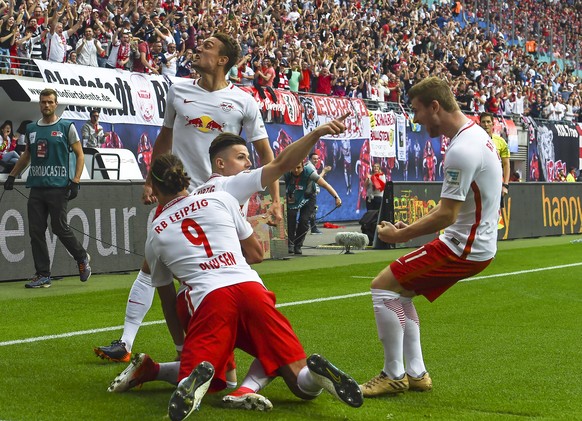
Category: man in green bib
<point>49,143</point>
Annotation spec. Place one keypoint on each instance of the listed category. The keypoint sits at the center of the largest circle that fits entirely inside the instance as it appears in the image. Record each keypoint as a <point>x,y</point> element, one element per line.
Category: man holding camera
<point>49,142</point>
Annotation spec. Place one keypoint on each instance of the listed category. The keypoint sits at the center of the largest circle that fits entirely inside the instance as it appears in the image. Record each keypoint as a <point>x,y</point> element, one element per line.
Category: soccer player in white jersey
<point>196,113</point>
<point>231,173</point>
<point>204,242</point>
<point>468,211</point>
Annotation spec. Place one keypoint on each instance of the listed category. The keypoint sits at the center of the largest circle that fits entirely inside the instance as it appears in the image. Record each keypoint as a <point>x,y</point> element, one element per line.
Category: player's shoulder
<point>183,84</point>
<point>218,195</point>
<point>234,91</point>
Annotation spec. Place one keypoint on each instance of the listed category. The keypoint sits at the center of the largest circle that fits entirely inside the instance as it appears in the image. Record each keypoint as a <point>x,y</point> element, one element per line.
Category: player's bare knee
<point>381,281</point>
<point>386,280</point>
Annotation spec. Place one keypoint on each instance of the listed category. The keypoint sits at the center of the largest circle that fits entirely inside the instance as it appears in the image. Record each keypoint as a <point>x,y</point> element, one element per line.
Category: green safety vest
<point>49,154</point>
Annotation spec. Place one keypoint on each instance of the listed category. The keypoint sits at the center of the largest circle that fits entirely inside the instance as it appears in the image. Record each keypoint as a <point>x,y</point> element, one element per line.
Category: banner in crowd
<point>401,144</point>
<point>554,149</point>
<point>512,139</point>
<point>142,96</point>
<point>284,108</point>
<point>319,110</point>
<point>383,135</point>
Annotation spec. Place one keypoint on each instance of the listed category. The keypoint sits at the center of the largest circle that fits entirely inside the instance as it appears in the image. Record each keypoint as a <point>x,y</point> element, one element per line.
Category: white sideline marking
<point>319,300</point>
<point>293,303</point>
<point>500,275</point>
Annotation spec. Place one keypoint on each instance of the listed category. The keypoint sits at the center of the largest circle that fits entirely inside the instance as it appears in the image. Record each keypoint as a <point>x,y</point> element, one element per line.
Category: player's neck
<point>212,83</point>
<point>456,121</point>
<point>163,199</point>
<point>50,119</point>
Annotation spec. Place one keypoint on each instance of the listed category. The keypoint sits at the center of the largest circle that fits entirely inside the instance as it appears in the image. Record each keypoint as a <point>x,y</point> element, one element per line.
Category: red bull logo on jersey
<point>204,124</point>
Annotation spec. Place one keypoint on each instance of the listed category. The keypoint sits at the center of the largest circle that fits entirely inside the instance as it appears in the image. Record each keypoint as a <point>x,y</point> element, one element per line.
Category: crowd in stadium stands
<point>371,49</point>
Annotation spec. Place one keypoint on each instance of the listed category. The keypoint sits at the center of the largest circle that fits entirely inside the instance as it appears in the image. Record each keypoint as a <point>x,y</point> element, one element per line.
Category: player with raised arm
<point>231,173</point>
<point>204,242</point>
<point>196,113</point>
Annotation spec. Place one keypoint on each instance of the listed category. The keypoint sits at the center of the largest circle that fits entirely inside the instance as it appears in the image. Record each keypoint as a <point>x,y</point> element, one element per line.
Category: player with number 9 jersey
<point>174,244</point>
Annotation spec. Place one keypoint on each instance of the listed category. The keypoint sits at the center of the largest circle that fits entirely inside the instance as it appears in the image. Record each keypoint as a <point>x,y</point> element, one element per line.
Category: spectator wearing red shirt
<point>394,86</point>
<point>264,79</point>
<point>493,104</point>
<point>324,81</point>
<point>305,82</point>
<point>266,74</point>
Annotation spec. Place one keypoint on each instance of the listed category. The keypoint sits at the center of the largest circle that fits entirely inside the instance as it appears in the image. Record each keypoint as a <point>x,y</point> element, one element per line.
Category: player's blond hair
<point>434,89</point>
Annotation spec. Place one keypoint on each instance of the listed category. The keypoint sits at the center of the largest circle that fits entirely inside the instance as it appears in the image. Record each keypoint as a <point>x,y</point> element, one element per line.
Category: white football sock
<point>169,372</point>
<point>390,323</point>
<point>139,302</point>
<point>307,384</point>
<point>256,379</point>
<point>412,349</point>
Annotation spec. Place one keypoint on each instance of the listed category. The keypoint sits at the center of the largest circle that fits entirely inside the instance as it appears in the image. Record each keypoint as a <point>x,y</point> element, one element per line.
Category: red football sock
<point>242,391</point>
<point>151,374</point>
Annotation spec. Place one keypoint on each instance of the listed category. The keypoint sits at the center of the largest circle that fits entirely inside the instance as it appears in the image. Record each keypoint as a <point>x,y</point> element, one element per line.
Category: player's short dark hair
<point>313,153</point>
<point>230,48</point>
<point>486,114</point>
<point>168,175</point>
<point>49,92</point>
<point>223,141</point>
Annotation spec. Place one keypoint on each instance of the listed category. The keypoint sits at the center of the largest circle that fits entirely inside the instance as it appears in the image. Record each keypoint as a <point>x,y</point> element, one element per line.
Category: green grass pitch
<point>505,345</point>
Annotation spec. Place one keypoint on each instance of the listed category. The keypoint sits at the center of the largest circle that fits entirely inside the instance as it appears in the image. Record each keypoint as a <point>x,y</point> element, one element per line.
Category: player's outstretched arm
<point>296,152</point>
<point>441,217</point>
<point>275,211</point>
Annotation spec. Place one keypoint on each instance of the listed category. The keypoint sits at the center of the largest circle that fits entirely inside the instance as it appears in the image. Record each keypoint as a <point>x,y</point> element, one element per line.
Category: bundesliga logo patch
<point>453,176</point>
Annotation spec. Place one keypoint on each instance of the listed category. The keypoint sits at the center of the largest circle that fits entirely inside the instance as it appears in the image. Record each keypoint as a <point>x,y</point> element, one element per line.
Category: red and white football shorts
<point>433,268</point>
<point>239,316</point>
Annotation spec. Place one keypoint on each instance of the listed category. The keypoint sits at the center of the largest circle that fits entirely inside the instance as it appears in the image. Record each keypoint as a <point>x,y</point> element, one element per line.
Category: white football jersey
<point>197,239</point>
<point>472,174</point>
<point>242,185</point>
<point>198,116</point>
